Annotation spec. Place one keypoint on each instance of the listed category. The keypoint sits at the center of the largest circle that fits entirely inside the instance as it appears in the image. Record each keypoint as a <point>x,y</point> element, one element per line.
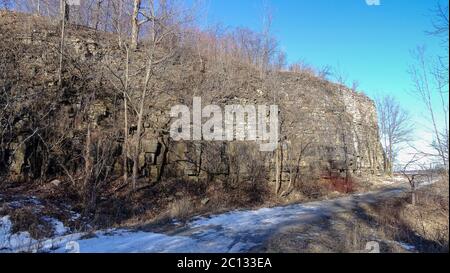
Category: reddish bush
<point>340,184</point>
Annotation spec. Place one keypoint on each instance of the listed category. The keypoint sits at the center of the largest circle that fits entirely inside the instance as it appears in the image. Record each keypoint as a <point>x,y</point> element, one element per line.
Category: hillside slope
<point>328,133</point>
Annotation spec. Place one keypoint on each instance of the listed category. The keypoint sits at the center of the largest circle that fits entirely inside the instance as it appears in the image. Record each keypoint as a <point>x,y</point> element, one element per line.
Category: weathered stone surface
<point>150,145</point>
<point>18,159</point>
<point>55,183</point>
<point>338,126</point>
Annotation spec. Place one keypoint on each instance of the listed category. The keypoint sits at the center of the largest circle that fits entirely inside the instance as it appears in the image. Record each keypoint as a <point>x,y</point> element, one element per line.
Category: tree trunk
<point>63,11</point>
<point>125,141</point>
<point>125,106</point>
<point>137,149</point>
<point>391,158</point>
<point>119,25</point>
<point>97,16</point>
<point>140,119</point>
<point>149,69</point>
<point>391,165</point>
<point>38,7</point>
<point>107,16</point>
<point>278,167</point>
<point>87,157</point>
<point>135,24</point>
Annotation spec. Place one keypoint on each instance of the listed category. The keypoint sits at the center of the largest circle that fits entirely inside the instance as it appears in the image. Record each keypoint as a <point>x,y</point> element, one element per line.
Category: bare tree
<point>340,76</point>
<point>280,61</point>
<point>325,72</point>
<point>269,44</point>
<point>355,85</point>
<point>5,4</point>
<point>301,66</point>
<point>440,30</point>
<point>410,171</point>
<point>123,89</point>
<point>118,14</point>
<point>64,11</point>
<point>38,7</point>
<point>278,166</point>
<point>135,24</point>
<point>429,86</point>
<point>165,23</point>
<point>125,114</point>
<point>98,14</point>
<point>395,128</point>
<point>296,151</point>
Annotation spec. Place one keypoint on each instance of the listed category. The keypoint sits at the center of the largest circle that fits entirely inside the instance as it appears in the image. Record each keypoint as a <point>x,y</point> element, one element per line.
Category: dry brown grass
<point>24,219</point>
<point>393,223</point>
<point>181,209</point>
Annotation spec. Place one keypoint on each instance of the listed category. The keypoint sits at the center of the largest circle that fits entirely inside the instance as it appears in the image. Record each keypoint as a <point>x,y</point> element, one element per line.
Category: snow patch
<point>407,246</point>
<point>58,226</point>
<point>235,231</point>
<point>403,245</point>
<point>23,242</point>
<point>228,232</point>
<point>9,241</point>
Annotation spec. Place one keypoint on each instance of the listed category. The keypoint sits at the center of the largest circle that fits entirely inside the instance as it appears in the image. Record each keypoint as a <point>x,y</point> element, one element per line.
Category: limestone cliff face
<point>340,124</point>
<point>324,127</point>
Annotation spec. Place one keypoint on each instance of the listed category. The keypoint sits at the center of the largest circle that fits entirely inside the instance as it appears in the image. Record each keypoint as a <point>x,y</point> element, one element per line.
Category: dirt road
<point>235,231</point>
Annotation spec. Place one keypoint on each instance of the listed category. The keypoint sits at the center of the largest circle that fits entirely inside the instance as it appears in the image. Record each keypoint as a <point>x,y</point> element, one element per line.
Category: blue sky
<point>371,44</point>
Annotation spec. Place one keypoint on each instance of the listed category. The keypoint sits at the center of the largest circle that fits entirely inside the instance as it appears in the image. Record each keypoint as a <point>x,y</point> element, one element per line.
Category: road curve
<point>231,232</point>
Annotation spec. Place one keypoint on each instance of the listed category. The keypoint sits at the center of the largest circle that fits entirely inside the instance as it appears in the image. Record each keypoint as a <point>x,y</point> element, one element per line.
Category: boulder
<point>55,182</point>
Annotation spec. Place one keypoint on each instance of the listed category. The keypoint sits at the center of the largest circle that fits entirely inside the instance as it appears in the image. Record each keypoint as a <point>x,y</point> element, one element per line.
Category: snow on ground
<point>23,242</point>
<point>119,241</point>
<point>428,182</point>
<point>12,241</point>
<point>396,179</point>
<point>58,226</point>
<point>406,246</point>
<point>403,245</point>
<point>235,231</point>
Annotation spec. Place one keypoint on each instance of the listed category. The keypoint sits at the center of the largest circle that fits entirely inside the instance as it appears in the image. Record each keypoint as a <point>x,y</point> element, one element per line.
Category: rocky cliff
<point>325,128</point>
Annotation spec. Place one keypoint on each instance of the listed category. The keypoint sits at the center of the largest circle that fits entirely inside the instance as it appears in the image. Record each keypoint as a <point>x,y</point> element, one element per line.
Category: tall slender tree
<point>135,23</point>
<point>395,128</point>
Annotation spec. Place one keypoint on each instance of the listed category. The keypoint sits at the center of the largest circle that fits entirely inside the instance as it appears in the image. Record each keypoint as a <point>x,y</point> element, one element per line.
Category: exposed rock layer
<point>325,128</point>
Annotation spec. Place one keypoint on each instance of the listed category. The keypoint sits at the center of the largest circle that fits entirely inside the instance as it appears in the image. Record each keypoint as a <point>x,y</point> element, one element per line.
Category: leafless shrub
<point>181,209</point>
<point>310,183</point>
<point>424,225</point>
<point>25,219</point>
<point>302,66</point>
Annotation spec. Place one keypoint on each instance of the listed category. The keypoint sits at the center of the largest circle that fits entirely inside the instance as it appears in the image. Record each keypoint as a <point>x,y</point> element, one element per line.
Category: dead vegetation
<point>181,209</point>
<point>395,224</point>
<point>72,110</point>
